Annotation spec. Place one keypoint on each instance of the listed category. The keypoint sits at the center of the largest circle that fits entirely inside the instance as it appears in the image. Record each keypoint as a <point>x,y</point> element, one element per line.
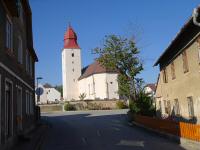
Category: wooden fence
<point>181,129</point>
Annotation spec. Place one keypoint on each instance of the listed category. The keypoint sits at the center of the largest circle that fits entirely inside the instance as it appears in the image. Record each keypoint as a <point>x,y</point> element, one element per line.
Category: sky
<point>153,23</point>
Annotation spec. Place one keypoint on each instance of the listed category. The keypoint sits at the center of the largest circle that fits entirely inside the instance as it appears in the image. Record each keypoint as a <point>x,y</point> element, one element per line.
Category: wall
<point>70,77</point>
<point>184,85</point>
<point>100,86</point>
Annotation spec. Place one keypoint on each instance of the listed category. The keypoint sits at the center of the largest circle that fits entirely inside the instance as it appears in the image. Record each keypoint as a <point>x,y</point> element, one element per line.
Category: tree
<point>121,54</point>
<point>59,88</point>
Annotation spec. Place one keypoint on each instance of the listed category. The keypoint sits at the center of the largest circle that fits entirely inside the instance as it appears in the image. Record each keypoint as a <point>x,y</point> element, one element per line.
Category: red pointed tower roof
<point>70,39</point>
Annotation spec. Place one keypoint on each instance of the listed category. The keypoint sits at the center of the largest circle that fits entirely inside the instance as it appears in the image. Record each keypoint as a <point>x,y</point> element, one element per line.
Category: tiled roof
<point>94,68</point>
<point>70,39</point>
<point>152,86</point>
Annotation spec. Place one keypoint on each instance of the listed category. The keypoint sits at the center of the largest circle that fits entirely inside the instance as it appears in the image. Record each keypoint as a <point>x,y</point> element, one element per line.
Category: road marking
<point>131,143</point>
<point>98,133</point>
<point>84,140</point>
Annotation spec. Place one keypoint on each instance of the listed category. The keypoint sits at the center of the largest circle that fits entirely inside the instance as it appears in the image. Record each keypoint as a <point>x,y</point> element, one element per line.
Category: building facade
<point>17,71</point>
<point>178,86</point>
<point>49,95</point>
<point>95,81</point>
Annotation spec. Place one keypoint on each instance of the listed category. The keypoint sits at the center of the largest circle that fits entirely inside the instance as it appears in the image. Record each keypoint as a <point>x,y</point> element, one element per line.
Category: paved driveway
<point>100,130</point>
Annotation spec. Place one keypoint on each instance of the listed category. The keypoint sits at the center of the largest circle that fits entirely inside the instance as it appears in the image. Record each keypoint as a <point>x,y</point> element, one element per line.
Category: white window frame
<point>9,81</point>
<point>20,50</point>
<point>9,34</point>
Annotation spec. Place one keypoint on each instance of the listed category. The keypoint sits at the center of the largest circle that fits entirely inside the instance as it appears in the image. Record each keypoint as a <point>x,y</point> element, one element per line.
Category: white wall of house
<point>49,95</point>
<point>52,94</point>
<point>71,71</point>
<point>100,86</point>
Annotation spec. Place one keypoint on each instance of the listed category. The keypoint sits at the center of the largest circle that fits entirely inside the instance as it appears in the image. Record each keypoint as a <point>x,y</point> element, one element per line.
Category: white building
<point>150,89</point>
<point>49,95</point>
<point>94,80</point>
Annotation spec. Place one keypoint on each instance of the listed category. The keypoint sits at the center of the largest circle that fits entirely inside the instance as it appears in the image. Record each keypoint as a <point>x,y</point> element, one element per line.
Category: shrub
<point>82,96</point>
<point>143,105</point>
<point>121,105</point>
<point>69,107</point>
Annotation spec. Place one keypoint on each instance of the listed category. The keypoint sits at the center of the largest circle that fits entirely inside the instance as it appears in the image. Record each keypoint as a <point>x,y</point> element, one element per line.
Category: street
<point>99,130</point>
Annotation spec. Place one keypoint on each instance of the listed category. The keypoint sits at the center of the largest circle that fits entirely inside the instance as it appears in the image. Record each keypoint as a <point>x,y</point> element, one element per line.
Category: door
<point>19,109</point>
<point>8,109</point>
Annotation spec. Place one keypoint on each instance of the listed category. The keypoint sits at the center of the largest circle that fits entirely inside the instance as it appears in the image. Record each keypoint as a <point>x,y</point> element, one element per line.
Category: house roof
<point>94,68</point>
<point>47,85</point>
<point>152,86</point>
<point>70,39</point>
<point>179,43</point>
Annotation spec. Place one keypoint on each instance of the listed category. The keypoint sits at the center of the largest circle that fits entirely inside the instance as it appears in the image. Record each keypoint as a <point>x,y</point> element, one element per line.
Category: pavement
<point>34,139</point>
<point>100,130</point>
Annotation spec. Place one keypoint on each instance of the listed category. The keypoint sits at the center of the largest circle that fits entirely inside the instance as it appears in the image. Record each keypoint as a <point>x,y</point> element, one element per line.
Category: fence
<point>181,129</point>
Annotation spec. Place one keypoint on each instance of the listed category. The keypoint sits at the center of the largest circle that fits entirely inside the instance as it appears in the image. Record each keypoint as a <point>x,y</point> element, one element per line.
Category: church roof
<point>70,39</point>
<point>94,68</point>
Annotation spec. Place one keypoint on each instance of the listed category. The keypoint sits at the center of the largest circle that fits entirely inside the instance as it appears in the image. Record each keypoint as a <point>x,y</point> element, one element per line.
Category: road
<point>100,130</point>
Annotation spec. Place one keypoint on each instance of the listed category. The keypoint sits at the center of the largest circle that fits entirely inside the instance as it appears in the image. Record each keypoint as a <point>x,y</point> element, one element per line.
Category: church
<point>94,80</point>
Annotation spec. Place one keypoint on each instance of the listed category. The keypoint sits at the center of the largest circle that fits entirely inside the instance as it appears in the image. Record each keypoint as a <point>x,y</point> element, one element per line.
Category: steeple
<point>70,39</point>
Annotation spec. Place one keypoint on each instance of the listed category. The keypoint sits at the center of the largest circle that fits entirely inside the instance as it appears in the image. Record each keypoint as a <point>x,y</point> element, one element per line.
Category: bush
<point>69,107</point>
<point>143,105</point>
<point>121,105</point>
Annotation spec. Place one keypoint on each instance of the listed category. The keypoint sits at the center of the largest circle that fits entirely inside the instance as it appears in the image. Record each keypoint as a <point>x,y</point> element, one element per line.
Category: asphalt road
<point>100,130</point>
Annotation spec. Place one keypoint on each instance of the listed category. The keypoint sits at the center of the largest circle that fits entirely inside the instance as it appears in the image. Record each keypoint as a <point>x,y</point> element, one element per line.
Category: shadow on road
<point>100,131</point>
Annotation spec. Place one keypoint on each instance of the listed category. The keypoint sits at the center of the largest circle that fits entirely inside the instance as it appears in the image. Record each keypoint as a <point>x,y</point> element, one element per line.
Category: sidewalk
<point>34,139</point>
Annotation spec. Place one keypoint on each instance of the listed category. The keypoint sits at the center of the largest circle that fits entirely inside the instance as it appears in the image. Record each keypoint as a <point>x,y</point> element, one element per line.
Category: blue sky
<point>154,23</point>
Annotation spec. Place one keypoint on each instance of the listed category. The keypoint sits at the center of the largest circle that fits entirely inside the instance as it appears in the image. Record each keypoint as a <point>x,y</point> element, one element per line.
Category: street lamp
<point>37,82</point>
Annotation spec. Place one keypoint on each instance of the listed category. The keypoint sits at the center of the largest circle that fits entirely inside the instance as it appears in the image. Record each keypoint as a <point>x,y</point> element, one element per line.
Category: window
<point>72,54</point>
<point>73,69</point>
<point>27,103</point>
<point>8,108</point>
<point>176,107</point>
<point>168,108</point>
<point>190,106</point>
<point>185,62</point>
<point>9,38</point>
<point>20,50</point>
<point>27,61</point>
<point>72,62</point>
<point>165,79</point>
<point>173,71</point>
<point>20,10</point>
<point>31,104</point>
<point>31,66</point>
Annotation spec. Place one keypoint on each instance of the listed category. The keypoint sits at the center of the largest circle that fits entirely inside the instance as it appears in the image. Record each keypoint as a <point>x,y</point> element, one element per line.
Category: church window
<point>72,62</point>
<point>111,82</point>
<point>72,54</point>
<point>73,69</point>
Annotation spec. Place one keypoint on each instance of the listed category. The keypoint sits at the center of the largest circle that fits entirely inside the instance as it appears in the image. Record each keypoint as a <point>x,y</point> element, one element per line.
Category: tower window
<point>73,69</point>
<point>72,54</point>
<point>72,62</point>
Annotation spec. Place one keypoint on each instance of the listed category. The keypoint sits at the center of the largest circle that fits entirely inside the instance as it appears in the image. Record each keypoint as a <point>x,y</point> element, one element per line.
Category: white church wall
<point>112,86</point>
<point>100,86</point>
<point>71,71</point>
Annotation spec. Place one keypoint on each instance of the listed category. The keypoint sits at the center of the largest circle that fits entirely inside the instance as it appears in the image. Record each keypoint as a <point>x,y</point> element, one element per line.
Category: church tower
<point>71,65</point>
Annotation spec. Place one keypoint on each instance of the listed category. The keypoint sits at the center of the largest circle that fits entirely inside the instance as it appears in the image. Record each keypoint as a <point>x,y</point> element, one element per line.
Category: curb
<point>171,137</point>
<point>41,138</point>
<point>185,143</point>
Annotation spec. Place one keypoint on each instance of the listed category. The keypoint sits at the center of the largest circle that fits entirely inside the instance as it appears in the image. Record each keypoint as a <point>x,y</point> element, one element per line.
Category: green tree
<point>121,54</point>
<point>59,88</point>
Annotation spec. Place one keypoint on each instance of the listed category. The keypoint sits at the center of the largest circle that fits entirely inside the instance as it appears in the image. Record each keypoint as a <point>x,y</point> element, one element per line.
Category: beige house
<point>178,85</point>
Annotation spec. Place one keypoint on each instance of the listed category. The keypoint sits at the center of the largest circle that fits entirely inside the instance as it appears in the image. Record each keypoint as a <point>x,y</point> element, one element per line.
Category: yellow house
<point>178,85</point>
